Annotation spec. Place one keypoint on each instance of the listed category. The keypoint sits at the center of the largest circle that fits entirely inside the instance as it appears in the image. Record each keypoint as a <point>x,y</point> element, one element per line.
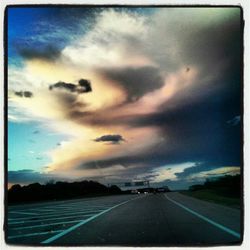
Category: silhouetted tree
<point>58,190</point>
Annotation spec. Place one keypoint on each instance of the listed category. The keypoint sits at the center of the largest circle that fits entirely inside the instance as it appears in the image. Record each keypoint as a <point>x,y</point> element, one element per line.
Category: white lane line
<point>58,218</point>
<point>72,207</point>
<point>18,212</point>
<point>84,204</point>
<point>55,203</point>
<point>54,215</point>
<point>57,236</point>
<point>223,228</point>
<point>80,207</point>
<point>46,225</point>
<point>33,234</point>
<point>61,208</point>
<point>43,210</point>
<point>64,211</point>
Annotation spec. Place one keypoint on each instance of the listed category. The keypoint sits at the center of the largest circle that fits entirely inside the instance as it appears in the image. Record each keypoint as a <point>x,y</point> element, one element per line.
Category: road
<point>167,219</point>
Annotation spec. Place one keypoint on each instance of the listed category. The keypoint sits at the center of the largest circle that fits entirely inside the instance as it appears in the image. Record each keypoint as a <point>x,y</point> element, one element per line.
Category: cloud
<point>112,40</point>
<point>27,176</point>
<point>160,80</point>
<point>199,172</point>
<point>194,169</point>
<point>136,81</point>
<point>187,41</point>
<point>235,121</point>
<point>114,139</point>
<point>27,94</point>
<point>231,170</point>
<point>83,86</point>
<point>202,175</point>
<point>48,53</point>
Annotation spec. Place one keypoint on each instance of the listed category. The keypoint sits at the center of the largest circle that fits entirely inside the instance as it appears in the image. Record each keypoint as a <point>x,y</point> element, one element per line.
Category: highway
<point>164,219</point>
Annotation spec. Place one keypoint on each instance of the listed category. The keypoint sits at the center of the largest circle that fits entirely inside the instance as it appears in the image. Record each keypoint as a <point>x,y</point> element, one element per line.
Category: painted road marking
<point>42,209</point>
<point>79,208</point>
<point>58,211</point>
<point>55,215</point>
<point>33,234</point>
<point>223,228</point>
<point>83,206</point>
<point>46,225</point>
<point>80,205</point>
<point>57,236</point>
<point>18,212</point>
<point>34,221</point>
<point>58,203</point>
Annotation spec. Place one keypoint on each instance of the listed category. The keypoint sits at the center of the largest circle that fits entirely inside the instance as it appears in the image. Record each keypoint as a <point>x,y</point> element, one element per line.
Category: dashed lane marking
<point>33,234</point>
<point>54,215</point>
<point>57,236</point>
<point>46,225</point>
<point>58,218</point>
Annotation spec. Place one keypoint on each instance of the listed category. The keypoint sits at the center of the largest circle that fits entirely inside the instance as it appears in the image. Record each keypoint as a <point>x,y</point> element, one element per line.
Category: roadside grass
<point>214,196</point>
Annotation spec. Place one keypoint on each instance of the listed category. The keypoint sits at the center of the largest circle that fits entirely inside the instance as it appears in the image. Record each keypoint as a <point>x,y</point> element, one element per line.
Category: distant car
<point>145,192</point>
<point>135,192</point>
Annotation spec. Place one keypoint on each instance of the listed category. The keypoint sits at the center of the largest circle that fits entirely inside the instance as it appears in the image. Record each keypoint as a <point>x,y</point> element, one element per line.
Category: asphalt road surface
<point>166,219</point>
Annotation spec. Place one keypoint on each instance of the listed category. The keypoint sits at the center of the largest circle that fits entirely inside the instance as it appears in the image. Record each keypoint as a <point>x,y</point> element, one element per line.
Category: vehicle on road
<point>135,191</point>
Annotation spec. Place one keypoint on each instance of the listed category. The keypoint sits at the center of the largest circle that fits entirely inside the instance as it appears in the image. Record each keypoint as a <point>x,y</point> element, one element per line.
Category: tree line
<point>227,185</point>
<point>58,190</point>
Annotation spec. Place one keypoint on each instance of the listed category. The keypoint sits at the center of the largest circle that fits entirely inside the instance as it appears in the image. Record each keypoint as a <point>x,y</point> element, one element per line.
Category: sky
<point>124,94</point>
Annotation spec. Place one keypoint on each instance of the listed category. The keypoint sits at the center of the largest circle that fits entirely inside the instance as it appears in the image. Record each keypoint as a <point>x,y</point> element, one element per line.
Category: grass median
<point>214,196</point>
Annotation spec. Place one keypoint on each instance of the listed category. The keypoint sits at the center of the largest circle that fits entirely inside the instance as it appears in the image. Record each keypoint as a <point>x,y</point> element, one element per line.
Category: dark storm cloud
<point>195,130</point>
<point>224,45</point>
<point>83,86</point>
<point>114,139</point>
<point>69,86</point>
<point>27,94</point>
<point>27,176</point>
<point>47,53</point>
<point>147,159</point>
<point>194,125</point>
<point>19,93</point>
<point>136,81</point>
<point>197,168</point>
<point>209,40</point>
<point>198,131</point>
